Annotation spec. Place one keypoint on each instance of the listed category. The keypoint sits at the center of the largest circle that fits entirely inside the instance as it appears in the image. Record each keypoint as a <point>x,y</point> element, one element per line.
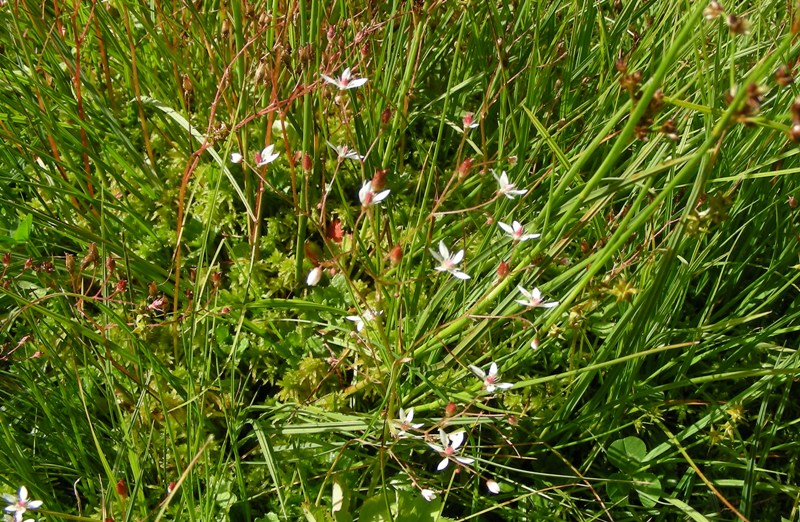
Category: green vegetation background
<point>162,357</point>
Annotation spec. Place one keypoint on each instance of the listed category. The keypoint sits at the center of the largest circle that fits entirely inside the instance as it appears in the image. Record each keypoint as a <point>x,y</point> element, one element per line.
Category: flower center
<point>448,451</point>
<point>491,379</point>
<point>368,198</point>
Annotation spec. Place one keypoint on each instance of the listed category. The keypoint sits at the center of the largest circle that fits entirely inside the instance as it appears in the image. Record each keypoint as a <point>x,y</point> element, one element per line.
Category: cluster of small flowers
<point>449,445</point>
<point>19,505</point>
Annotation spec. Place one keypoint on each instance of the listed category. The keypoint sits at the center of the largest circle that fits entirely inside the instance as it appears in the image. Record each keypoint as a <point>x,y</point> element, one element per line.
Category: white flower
<point>428,494</point>
<point>343,152</point>
<point>493,486</point>
<point>314,276</point>
<point>447,262</point>
<point>345,81</point>
<point>490,380</point>
<point>361,320</point>
<point>507,188</point>
<point>516,231</point>
<point>534,299</point>
<point>19,505</point>
<point>368,197</point>
<point>266,156</point>
<point>449,447</point>
<point>535,343</point>
<point>236,157</point>
<point>404,422</point>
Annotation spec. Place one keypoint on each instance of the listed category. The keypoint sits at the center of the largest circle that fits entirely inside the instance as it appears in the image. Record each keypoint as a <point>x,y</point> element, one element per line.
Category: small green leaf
<point>23,231</point>
<point>627,454</point>
<point>648,486</point>
<point>618,489</point>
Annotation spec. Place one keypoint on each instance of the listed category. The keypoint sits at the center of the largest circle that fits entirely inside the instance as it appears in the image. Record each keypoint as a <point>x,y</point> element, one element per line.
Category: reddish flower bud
<point>450,409</point>
<point>386,115</point>
<point>152,289</point>
<point>122,284</point>
<point>379,180</point>
<point>503,269</point>
<point>308,163</point>
<point>122,488</point>
<point>171,487</point>
<point>111,264</point>
<point>465,167</point>
<point>7,259</point>
<point>396,255</point>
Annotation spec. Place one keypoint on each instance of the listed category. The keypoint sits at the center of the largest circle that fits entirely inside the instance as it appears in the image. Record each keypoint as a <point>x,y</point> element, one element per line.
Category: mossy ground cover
<point>403,260</point>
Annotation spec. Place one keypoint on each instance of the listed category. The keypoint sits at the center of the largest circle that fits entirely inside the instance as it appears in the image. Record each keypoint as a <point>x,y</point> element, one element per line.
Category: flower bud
<point>503,269</point>
<point>386,115</point>
<point>465,167</point>
<point>308,163</point>
<point>122,488</point>
<point>379,180</point>
<point>314,276</point>
<point>450,409</point>
<point>396,255</point>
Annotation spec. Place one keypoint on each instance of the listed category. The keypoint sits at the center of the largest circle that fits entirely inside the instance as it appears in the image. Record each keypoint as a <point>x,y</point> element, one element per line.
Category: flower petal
<point>507,229</point>
<point>380,196</point>
<point>456,439</point>
<point>460,275</point>
<point>477,371</point>
<point>443,464</point>
<point>358,82</point>
<point>465,460</point>
<point>329,79</point>
<point>493,369</point>
<point>504,385</point>
<point>457,257</point>
<point>443,250</point>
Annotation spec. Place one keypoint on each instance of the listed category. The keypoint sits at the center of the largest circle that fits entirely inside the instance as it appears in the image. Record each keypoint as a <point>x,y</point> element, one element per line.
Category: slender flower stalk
<point>449,448</point>
<point>516,231</point>
<point>448,262</point>
<point>490,379</point>
<point>533,299</point>
<point>345,81</point>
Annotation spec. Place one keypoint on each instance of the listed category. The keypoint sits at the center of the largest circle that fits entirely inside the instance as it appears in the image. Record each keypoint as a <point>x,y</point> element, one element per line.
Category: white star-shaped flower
<point>450,445</point>
<point>404,423</point>
<point>345,81</point>
<point>506,187</point>
<point>448,263</point>
<point>343,152</point>
<point>266,156</point>
<point>361,320</point>
<point>490,383</point>
<point>533,299</point>
<point>20,504</point>
<point>368,197</point>
<point>516,231</point>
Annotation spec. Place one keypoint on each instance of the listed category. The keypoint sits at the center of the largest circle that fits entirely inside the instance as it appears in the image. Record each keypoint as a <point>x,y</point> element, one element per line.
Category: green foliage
<point>158,323</point>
